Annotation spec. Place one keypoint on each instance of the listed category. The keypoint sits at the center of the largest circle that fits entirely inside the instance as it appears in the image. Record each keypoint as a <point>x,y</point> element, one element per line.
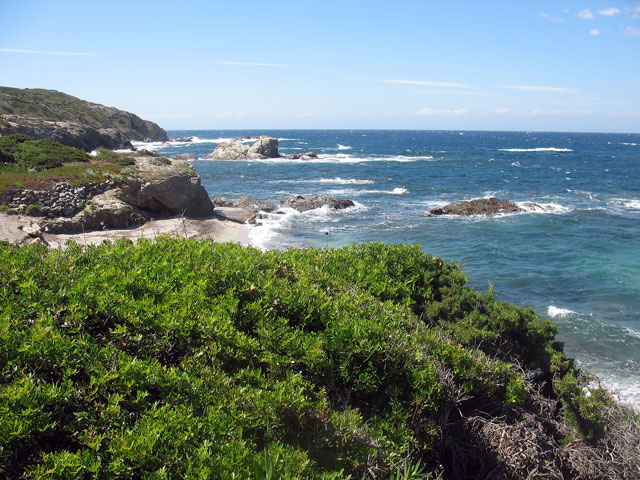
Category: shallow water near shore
<point>574,256</point>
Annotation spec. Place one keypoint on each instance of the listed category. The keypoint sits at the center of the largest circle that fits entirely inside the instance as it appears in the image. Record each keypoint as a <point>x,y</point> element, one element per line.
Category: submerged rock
<point>480,206</point>
<point>302,203</point>
<point>246,203</point>
<point>302,156</point>
<point>185,156</point>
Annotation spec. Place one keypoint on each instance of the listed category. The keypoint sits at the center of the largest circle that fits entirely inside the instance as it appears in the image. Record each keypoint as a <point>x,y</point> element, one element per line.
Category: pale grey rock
<point>231,150</point>
<point>264,147</point>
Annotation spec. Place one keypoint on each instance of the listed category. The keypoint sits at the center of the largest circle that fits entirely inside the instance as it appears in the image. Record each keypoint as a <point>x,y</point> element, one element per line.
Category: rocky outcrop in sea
<point>264,147</point>
<point>480,206</point>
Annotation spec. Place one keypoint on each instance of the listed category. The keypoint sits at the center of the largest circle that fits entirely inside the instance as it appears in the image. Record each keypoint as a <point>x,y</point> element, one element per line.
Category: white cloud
<point>586,14</point>
<point>538,88</point>
<point>308,114</point>
<point>551,18</point>
<point>428,83</point>
<point>433,111</point>
<point>635,12</point>
<point>40,52</point>
<point>609,12</point>
<point>632,32</point>
<point>503,110</point>
<point>595,32</point>
<point>248,64</point>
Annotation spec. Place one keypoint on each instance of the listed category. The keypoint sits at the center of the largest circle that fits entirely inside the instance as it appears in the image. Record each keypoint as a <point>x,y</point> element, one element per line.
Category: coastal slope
<point>53,115</point>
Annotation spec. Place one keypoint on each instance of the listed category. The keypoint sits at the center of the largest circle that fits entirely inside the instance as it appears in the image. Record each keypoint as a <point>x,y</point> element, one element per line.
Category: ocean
<point>575,257</point>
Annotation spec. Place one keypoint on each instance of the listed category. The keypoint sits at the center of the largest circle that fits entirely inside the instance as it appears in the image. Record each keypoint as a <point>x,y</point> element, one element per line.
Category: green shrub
<point>186,359</point>
<point>114,157</point>
<point>37,154</point>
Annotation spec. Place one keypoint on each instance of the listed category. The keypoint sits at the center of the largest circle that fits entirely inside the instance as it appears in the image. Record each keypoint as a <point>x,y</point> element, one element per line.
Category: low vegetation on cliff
<point>49,114</point>
<point>186,359</point>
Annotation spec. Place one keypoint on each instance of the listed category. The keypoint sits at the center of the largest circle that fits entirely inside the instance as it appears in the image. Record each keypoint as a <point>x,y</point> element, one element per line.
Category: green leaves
<point>185,359</point>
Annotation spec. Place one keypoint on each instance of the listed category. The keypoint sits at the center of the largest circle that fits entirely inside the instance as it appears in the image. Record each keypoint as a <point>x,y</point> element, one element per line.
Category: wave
<point>273,226</point>
<point>554,312</point>
<point>351,192</point>
<point>535,207</point>
<point>539,149</point>
<point>344,147</point>
<point>630,144</point>
<point>627,203</point>
<point>346,158</point>
<point>330,181</point>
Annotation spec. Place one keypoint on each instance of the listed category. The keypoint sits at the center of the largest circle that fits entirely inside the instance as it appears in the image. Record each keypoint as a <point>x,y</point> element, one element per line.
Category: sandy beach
<point>12,228</point>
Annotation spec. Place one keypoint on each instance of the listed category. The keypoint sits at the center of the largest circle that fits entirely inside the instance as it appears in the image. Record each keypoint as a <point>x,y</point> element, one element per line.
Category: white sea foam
<point>345,158</point>
<point>539,149</point>
<point>628,203</point>
<point>344,147</point>
<point>329,181</point>
<point>554,312</point>
<point>352,192</point>
<point>629,144</point>
<point>93,153</point>
<point>265,234</point>
<point>536,207</point>
<point>515,164</point>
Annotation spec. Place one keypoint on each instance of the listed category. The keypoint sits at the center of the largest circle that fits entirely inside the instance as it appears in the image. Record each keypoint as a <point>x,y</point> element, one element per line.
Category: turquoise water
<point>574,258</point>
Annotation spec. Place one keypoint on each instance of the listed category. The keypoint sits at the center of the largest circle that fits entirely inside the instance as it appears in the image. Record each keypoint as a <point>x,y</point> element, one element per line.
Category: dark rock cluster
<point>59,199</point>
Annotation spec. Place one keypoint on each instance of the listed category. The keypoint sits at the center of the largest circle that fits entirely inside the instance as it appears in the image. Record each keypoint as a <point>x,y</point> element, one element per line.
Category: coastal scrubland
<point>178,358</point>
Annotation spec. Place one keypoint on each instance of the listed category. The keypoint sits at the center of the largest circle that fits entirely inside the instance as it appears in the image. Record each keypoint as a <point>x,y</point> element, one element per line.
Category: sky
<point>462,65</point>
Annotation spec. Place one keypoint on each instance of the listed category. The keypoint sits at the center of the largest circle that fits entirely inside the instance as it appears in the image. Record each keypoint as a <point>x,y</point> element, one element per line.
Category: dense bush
<point>185,359</point>
<point>37,154</point>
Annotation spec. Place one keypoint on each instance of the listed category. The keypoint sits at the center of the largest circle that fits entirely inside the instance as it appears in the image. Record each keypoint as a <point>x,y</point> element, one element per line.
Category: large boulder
<point>480,206</point>
<point>264,147</point>
<point>163,188</point>
<point>185,156</point>
<point>302,203</point>
<point>230,150</point>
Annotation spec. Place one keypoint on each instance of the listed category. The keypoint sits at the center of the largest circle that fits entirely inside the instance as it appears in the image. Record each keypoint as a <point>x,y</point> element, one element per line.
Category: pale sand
<point>217,230</point>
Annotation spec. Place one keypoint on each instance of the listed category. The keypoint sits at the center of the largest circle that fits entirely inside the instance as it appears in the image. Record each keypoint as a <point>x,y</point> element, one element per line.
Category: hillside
<point>184,359</point>
<point>53,115</point>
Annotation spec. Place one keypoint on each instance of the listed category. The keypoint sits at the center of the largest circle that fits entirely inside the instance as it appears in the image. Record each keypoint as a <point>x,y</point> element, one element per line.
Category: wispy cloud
<point>426,83</point>
<point>230,115</point>
<point>538,112</point>
<point>503,110</point>
<point>551,18</point>
<point>631,32</point>
<point>452,92</point>
<point>307,114</point>
<point>586,14</point>
<point>42,52</point>
<point>609,12</point>
<point>595,32</point>
<point>539,88</point>
<point>433,111</point>
<point>635,12</point>
<point>248,64</point>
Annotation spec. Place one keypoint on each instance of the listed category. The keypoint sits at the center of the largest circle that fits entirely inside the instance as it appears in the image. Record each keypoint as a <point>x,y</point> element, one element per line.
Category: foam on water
<point>349,191</point>
<point>344,147</point>
<point>345,158</point>
<point>330,181</point>
<point>536,207</point>
<point>539,149</point>
<point>554,312</point>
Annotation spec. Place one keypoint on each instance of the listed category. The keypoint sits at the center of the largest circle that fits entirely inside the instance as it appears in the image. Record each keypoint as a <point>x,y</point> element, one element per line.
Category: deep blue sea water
<point>576,259</point>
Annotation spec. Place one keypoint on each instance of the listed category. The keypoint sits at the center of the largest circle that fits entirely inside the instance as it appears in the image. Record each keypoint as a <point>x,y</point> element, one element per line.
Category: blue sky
<point>490,65</point>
